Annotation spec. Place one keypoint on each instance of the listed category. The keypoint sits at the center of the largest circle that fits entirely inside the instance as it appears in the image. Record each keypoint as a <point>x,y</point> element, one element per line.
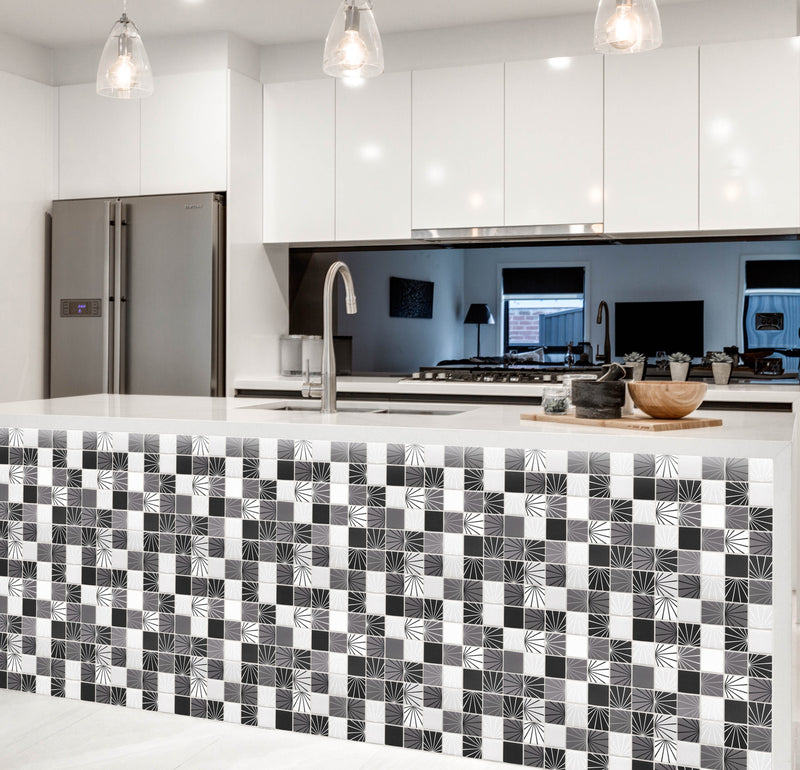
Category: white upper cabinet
<point>373,158</point>
<point>651,143</point>
<point>185,134</point>
<point>458,153</point>
<point>299,161</point>
<point>554,141</point>
<point>98,144</point>
<point>750,135</point>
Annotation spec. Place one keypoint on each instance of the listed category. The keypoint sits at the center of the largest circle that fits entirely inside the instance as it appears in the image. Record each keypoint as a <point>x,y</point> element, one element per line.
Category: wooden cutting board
<point>628,423</point>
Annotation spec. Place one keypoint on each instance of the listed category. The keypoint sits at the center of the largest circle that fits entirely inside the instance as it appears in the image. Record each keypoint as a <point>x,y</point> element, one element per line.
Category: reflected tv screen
<point>648,327</point>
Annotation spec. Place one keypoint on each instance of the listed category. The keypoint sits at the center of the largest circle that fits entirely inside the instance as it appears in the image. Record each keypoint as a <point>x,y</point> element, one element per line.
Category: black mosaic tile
<point>424,602</point>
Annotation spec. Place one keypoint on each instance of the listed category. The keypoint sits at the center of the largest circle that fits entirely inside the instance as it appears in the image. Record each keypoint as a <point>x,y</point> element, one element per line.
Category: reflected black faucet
<point>605,356</point>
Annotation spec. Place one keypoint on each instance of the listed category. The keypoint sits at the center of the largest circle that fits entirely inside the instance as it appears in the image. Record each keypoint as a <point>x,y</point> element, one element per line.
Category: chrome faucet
<point>326,389</point>
<point>605,356</point>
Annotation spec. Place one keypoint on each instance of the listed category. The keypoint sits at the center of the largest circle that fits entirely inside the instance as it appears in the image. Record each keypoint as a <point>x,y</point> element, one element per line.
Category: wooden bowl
<point>667,400</point>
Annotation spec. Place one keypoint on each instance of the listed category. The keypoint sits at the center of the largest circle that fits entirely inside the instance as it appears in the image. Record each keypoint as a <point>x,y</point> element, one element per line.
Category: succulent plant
<point>635,358</point>
<point>680,358</point>
<point>719,358</point>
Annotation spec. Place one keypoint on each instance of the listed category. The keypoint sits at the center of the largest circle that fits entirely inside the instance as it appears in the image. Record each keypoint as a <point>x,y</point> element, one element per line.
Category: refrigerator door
<point>81,337</point>
<point>172,318</point>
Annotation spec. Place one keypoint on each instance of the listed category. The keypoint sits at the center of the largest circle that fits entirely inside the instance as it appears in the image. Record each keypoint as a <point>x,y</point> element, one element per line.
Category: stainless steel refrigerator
<point>138,296</point>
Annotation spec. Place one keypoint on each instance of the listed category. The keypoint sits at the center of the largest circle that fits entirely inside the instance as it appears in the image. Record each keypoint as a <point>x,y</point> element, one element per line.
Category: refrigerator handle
<point>109,304</point>
<point>120,289</point>
<point>218,291</point>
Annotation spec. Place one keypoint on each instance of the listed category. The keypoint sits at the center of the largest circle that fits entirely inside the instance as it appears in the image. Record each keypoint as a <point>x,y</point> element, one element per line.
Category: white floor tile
<point>41,733</point>
<point>24,716</point>
<point>251,748</point>
<point>98,736</point>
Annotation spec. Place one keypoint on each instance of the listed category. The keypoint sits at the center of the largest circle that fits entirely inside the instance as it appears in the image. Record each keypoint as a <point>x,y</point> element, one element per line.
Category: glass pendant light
<point>124,70</point>
<point>627,26</point>
<point>353,48</point>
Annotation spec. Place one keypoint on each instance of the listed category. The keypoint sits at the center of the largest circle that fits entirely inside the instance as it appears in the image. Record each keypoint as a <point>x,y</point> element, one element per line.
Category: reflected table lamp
<point>479,314</point>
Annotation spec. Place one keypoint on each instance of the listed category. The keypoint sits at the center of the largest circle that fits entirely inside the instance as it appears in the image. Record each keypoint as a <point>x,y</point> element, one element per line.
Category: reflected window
<point>543,308</point>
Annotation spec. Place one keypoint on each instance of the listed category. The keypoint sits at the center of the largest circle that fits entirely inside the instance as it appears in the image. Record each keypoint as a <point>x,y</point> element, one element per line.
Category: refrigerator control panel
<point>79,308</point>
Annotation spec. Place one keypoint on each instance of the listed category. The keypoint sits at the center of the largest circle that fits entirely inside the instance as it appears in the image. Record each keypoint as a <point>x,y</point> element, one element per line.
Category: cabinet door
<point>554,141</point>
<point>299,161</point>
<point>749,129</point>
<point>185,134</point>
<point>373,159</point>
<point>27,147</point>
<point>651,143</point>
<point>457,141</point>
<point>98,144</point>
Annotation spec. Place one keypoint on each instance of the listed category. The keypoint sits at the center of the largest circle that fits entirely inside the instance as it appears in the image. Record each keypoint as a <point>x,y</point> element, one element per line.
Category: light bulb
<point>124,68</point>
<point>353,47</point>
<point>123,73</point>
<point>624,28</point>
<point>351,53</point>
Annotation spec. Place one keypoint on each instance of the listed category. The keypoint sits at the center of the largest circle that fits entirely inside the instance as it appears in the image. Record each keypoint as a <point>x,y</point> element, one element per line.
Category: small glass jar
<point>291,355</point>
<point>555,400</point>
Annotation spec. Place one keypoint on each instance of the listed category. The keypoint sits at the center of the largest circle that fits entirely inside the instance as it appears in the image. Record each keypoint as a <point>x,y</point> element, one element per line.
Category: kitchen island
<point>457,581</point>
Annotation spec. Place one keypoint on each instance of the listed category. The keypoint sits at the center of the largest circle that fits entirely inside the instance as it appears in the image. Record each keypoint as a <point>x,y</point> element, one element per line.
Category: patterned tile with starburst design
<point>550,609</point>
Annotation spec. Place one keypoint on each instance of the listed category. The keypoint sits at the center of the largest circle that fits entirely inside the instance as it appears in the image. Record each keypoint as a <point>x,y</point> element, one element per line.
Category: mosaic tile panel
<point>560,610</point>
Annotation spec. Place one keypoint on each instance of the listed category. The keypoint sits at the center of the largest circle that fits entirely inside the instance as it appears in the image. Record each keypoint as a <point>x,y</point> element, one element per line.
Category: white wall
<point>388,345</point>
<point>27,160</point>
<point>688,23</point>
<point>28,60</point>
<point>27,143</point>
<point>168,56</point>
<point>258,282</point>
<point>631,272</point>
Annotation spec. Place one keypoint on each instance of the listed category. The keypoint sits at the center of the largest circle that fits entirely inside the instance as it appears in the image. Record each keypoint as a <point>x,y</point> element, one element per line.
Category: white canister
<point>291,355</point>
<point>312,354</point>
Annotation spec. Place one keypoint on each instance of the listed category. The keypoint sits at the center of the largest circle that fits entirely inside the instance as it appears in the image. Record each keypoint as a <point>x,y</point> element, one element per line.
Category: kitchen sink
<point>433,412</point>
<point>314,407</point>
<point>308,408</point>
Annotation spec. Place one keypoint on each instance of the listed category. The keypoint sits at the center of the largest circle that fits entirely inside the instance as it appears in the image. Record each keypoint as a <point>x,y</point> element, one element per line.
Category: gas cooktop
<point>491,371</point>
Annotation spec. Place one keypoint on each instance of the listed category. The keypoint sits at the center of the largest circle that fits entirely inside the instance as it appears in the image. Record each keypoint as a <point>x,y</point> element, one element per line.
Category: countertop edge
<point>764,392</point>
<point>742,435</point>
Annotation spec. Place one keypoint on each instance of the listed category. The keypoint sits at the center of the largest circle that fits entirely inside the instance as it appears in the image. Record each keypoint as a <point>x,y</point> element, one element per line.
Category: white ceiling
<point>56,23</point>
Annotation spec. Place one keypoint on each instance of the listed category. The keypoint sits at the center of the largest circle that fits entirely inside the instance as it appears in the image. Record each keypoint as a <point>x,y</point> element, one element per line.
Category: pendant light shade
<point>353,48</point>
<point>124,70</point>
<point>627,26</point>
<point>479,314</point>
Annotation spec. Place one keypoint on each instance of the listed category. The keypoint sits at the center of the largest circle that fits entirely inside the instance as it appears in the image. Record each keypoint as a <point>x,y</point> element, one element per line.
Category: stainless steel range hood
<point>574,232</point>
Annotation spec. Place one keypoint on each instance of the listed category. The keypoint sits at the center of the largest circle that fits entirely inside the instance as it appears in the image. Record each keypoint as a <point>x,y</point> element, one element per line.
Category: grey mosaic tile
<point>550,609</point>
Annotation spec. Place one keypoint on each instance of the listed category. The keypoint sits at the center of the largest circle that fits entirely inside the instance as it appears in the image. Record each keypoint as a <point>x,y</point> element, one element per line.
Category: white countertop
<point>760,391</point>
<point>742,434</point>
